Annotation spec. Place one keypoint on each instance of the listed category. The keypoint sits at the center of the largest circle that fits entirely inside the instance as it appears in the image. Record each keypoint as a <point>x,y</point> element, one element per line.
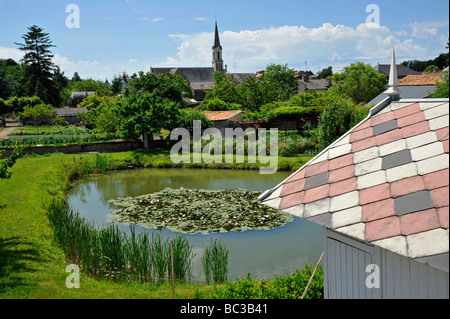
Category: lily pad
<point>198,211</point>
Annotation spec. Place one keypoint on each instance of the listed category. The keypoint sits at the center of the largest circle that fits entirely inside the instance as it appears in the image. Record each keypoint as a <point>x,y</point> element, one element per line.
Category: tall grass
<point>215,261</point>
<point>110,253</point>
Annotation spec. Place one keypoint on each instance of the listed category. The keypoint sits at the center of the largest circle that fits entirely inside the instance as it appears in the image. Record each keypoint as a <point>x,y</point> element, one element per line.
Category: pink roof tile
<point>390,166</point>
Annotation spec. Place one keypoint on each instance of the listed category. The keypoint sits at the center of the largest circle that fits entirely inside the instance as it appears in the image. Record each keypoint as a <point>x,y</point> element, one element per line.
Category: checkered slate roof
<point>385,182</point>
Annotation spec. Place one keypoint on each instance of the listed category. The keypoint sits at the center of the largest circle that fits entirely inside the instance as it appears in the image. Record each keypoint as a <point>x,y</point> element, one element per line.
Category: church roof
<point>402,70</point>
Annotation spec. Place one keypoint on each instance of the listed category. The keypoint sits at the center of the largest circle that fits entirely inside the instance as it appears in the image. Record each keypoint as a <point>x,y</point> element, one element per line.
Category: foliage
<point>223,89</point>
<point>340,117</point>
<point>59,121</point>
<point>215,262</point>
<point>152,103</point>
<point>283,79</point>
<point>39,66</point>
<point>37,111</point>
<point>442,87</point>
<point>166,86</point>
<point>51,130</point>
<point>103,112</point>
<point>110,254</point>
<point>281,287</point>
<point>98,87</point>
<point>10,161</point>
<point>18,104</point>
<point>440,61</point>
<point>431,68</point>
<point>11,78</point>
<point>216,104</point>
<point>325,72</point>
<point>359,81</point>
<point>59,140</point>
<point>188,116</point>
<point>193,211</point>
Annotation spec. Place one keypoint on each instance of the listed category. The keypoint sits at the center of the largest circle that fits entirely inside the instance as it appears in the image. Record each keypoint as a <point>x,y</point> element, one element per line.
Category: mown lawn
<point>31,264</point>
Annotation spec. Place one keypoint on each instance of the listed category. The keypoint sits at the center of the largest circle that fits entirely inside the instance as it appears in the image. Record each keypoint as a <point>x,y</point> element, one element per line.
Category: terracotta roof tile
<point>426,78</point>
<point>220,115</point>
<point>385,182</point>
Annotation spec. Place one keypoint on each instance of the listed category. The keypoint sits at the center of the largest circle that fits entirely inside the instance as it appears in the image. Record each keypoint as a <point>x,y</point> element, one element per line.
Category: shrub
<point>59,120</point>
<point>217,104</point>
<point>281,287</point>
<point>340,117</point>
<point>188,115</point>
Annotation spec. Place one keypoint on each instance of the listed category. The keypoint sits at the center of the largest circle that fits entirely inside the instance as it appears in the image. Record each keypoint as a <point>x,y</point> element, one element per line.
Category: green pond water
<point>263,253</point>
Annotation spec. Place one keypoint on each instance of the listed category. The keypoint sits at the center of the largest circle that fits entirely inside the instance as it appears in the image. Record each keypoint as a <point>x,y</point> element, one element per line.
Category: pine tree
<point>39,65</point>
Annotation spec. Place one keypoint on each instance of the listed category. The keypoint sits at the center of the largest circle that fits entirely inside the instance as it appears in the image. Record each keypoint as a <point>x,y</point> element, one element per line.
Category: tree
<point>11,78</point>
<point>153,102</point>
<point>360,82</point>
<point>99,87</point>
<point>39,65</point>
<point>442,88</point>
<point>103,112</point>
<point>76,77</point>
<point>325,72</point>
<point>224,89</point>
<point>283,78</point>
<point>37,111</point>
<point>148,114</point>
<point>60,79</point>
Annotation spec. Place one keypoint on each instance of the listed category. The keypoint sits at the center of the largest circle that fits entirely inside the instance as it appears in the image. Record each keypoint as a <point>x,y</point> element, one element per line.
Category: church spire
<point>216,38</point>
<point>217,61</point>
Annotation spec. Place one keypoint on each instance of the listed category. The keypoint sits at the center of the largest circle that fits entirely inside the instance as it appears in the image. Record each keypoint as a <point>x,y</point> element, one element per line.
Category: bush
<point>60,121</point>
<point>281,287</point>
<point>337,120</point>
<point>217,104</point>
<point>188,115</point>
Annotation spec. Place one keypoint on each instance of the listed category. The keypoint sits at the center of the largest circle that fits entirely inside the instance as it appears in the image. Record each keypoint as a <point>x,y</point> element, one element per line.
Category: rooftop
<point>385,182</point>
<point>221,115</point>
<point>426,78</point>
<point>402,70</point>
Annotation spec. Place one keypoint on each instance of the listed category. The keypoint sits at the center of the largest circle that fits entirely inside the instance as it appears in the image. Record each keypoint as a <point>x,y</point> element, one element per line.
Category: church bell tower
<point>217,61</point>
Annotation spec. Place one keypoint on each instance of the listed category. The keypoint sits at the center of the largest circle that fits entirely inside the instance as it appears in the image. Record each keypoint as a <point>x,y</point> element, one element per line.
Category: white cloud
<point>336,45</point>
<point>7,53</point>
<point>133,61</point>
<point>200,19</point>
<point>157,19</point>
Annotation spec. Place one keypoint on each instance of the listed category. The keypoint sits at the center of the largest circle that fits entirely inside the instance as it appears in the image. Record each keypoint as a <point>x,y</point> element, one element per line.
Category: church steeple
<point>216,38</point>
<point>217,61</point>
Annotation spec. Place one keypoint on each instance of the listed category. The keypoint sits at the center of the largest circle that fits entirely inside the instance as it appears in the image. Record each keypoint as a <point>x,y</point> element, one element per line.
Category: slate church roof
<point>385,182</point>
<point>402,70</point>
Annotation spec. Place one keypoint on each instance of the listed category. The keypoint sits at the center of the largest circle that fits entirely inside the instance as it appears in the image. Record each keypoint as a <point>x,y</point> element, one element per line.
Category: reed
<point>215,261</point>
<point>109,253</point>
<point>183,258</point>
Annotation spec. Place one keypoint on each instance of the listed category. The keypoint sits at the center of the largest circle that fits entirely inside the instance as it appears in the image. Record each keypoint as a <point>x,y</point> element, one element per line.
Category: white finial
<point>393,79</point>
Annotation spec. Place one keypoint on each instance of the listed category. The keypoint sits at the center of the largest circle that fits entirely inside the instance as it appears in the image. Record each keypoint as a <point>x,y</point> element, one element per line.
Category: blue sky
<point>131,35</point>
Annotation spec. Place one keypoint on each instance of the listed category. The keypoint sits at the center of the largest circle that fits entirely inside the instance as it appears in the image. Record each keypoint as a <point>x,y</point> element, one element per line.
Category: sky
<point>116,36</point>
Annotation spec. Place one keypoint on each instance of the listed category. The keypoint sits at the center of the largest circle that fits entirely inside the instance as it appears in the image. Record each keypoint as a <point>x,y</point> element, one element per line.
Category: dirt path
<point>10,126</point>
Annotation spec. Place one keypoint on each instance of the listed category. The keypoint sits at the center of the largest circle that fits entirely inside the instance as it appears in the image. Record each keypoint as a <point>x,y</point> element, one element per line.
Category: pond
<point>263,253</point>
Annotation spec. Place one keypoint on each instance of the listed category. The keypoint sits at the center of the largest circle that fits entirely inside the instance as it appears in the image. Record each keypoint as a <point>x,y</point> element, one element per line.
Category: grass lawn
<point>31,265</point>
